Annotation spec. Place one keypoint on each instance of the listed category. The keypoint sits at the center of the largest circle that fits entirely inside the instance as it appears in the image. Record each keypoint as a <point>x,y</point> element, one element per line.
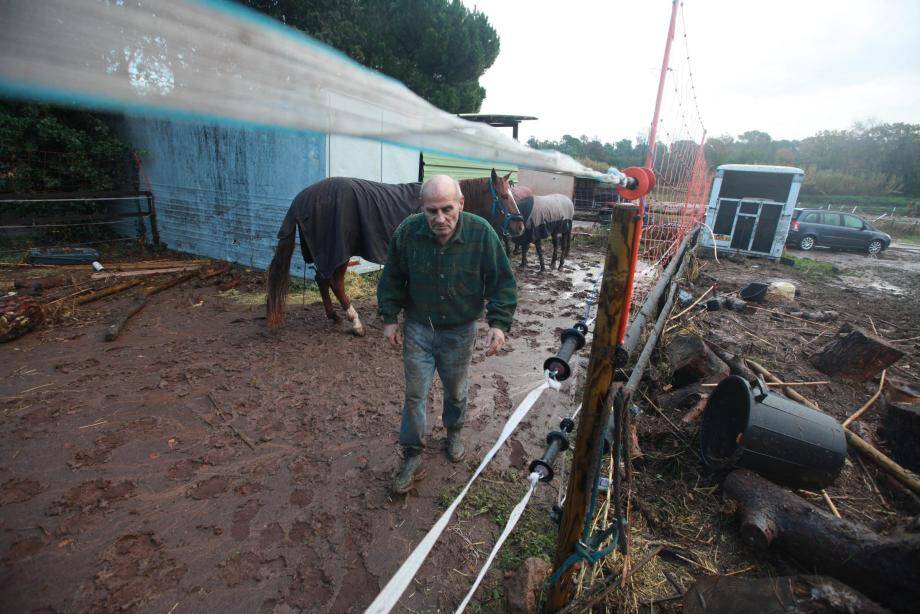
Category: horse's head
<point>504,206</point>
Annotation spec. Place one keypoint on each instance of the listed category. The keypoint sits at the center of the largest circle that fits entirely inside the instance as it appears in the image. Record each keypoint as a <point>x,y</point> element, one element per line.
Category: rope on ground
<point>513,518</point>
<point>397,585</point>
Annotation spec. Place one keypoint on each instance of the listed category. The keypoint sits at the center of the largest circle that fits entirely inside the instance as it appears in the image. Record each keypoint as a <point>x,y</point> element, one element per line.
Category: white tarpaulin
<point>215,60</point>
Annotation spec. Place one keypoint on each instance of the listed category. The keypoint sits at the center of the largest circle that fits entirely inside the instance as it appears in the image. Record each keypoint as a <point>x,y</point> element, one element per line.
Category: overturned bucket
<point>748,426</point>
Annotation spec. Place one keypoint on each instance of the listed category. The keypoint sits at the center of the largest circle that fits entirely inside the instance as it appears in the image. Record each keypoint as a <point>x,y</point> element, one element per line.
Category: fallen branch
<point>869,403</point>
<point>143,272</point>
<point>89,298</point>
<point>821,383</point>
<point>899,473</point>
<point>116,327</point>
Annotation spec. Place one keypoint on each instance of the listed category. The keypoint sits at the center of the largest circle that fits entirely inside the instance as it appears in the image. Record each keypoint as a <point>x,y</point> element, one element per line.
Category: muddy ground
<point>202,463</point>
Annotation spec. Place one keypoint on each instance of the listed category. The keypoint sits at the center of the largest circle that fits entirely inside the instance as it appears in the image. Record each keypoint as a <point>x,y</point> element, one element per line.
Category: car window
<point>831,219</point>
<point>810,218</point>
<point>851,221</point>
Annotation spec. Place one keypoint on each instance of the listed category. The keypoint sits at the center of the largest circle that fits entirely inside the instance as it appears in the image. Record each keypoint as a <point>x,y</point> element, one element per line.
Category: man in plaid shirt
<point>442,265</point>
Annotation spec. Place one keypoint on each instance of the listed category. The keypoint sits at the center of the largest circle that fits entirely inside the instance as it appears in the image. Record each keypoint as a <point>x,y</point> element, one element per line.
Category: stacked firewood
<point>18,315</point>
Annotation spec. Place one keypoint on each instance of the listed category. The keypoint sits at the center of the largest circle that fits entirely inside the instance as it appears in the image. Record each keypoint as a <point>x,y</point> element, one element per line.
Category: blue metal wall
<point>222,191</point>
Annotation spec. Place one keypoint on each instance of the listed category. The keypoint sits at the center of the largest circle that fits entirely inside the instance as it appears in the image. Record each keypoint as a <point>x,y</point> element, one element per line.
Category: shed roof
<point>760,168</point>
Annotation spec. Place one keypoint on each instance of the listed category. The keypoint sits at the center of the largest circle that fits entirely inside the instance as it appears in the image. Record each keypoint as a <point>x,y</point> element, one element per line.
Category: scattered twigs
<point>830,503</point>
<point>597,594</point>
<point>692,305</point>
<point>94,296</point>
<point>786,315</point>
<point>899,473</point>
<point>243,437</point>
<point>856,414</point>
<point>784,384</point>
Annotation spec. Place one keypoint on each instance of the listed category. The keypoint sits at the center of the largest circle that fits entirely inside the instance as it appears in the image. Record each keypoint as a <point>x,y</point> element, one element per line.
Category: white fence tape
<point>403,576</point>
<point>509,526</point>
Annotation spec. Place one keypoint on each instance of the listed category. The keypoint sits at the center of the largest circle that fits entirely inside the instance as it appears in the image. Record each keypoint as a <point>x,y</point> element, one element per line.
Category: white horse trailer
<point>750,208</point>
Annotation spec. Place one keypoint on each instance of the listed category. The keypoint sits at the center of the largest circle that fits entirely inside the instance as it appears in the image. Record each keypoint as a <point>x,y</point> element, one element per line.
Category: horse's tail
<point>279,273</point>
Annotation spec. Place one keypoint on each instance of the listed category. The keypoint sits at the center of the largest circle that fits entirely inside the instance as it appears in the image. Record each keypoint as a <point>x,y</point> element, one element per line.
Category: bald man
<point>443,265</point>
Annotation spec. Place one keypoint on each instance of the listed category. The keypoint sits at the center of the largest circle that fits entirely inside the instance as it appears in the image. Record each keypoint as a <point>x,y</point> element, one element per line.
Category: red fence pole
<point>653,131</point>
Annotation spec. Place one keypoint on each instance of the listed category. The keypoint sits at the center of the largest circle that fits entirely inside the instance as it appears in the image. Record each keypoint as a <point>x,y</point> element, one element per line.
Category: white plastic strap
<point>397,585</point>
<point>513,518</point>
<point>218,60</point>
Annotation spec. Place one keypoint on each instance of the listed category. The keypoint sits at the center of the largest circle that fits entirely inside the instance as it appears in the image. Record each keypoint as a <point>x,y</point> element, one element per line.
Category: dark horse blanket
<point>339,217</point>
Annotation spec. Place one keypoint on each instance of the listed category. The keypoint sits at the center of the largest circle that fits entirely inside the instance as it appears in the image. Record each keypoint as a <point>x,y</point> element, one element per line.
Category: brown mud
<point>127,480</point>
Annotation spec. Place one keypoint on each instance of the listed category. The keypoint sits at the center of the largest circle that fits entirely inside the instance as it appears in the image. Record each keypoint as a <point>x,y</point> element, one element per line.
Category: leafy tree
<point>438,48</point>
<point>49,148</point>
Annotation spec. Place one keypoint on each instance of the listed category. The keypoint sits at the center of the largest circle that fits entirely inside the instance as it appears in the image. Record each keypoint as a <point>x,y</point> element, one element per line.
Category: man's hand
<point>495,339</point>
<point>391,332</point>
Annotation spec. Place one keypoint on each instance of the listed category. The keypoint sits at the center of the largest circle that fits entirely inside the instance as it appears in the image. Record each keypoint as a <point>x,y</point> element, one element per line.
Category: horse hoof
<point>358,331</point>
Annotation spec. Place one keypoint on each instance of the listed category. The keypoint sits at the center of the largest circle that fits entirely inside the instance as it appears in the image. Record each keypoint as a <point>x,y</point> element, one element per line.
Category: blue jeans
<point>425,349</point>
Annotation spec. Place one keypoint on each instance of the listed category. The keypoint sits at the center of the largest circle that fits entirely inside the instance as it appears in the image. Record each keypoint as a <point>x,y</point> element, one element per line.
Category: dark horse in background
<point>340,217</point>
<point>545,216</point>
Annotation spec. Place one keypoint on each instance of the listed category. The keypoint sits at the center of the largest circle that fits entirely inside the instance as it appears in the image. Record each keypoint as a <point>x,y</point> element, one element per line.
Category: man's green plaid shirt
<point>445,285</point>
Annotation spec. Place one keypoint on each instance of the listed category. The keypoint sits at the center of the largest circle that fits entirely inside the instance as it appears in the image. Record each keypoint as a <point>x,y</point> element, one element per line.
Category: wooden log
<point>783,595</point>
<point>735,363</point>
<point>856,355</point>
<point>116,327</point>
<point>95,296</point>
<point>901,431</point>
<point>142,272</point>
<point>691,361</point>
<point>883,567</point>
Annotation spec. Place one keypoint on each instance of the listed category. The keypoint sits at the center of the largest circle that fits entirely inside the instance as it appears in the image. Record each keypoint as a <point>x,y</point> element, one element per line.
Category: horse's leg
<point>555,236</point>
<point>538,243</point>
<point>524,248</point>
<point>338,286</point>
<point>324,284</point>
<point>566,244</point>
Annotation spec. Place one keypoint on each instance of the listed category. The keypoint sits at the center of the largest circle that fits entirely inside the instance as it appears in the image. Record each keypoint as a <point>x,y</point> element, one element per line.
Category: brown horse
<point>339,217</point>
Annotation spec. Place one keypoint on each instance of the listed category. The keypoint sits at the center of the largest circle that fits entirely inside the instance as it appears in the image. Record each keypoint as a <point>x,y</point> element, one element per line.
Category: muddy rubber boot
<point>455,449</point>
<point>409,472</point>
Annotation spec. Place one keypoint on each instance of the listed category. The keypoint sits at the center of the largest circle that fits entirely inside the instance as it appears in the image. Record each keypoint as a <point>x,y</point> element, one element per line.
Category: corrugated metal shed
<point>462,168</point>
<point>222,191</point>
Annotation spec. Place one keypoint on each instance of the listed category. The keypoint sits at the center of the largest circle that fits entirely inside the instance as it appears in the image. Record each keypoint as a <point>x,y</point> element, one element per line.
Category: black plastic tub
<point>754,292</point>
<point>784,441</point>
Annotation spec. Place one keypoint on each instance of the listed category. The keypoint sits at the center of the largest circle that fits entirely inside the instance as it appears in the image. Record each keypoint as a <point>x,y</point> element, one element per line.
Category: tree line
<point>877,159</point>
<point>438,48</point>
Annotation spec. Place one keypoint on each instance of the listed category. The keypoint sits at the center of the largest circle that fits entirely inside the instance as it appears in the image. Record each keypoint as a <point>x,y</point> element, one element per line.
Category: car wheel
<point>807,243</point>
<point>875,247</point>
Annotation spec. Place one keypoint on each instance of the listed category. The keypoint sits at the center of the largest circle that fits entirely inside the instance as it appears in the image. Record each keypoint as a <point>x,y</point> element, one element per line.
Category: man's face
<point>442,215</point>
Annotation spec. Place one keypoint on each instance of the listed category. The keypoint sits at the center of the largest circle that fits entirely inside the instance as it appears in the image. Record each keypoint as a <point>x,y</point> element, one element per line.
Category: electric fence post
<point>606,355</point>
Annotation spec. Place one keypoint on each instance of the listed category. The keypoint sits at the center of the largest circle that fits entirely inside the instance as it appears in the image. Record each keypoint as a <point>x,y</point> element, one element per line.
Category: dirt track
<point>126,479</point>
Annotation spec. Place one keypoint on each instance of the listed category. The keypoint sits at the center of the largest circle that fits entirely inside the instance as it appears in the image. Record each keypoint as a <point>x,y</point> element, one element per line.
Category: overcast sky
<point>790,68</point>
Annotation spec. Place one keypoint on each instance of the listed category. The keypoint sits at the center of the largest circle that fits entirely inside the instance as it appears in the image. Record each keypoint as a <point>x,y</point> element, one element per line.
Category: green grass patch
<point>814,270</point>
<point>307,292</point>
<point>494,498</point>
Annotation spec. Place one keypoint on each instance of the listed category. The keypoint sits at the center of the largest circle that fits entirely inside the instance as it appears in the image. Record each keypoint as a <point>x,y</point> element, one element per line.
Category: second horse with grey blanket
<point>547,216</point>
